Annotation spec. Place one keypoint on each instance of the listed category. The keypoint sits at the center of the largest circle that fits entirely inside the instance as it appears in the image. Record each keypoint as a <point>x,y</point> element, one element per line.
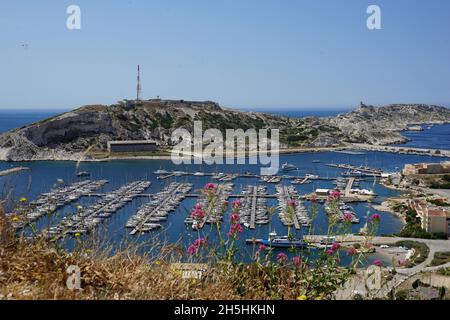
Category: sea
<point>45,175</point>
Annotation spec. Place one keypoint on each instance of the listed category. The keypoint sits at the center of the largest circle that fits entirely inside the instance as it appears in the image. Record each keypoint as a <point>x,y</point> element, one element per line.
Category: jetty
<point>254,206</point>
<point>341,211</point>
<point>300,217</point>
<point>213,211</point>
<point>13,170</point>
<point>151,214</point>
<point>349,186</point>
<point>51,201</point>
<point>362,169</point>
<point>86,220</point>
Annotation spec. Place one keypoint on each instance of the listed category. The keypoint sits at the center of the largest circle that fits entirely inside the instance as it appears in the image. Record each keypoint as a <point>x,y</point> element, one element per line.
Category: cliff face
<point>68,136</point>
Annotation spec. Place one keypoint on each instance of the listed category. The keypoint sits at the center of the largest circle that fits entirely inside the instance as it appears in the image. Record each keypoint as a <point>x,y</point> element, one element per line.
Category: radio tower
<point>138,88</point>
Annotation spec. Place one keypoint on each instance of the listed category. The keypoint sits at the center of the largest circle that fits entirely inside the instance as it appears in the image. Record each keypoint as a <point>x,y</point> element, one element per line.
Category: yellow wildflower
<point>23,199</point>
<point>302,297</point>
<point>77,234</point>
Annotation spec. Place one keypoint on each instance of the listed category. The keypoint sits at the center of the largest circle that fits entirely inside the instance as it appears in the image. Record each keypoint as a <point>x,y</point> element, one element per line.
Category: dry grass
<point>37,270</point>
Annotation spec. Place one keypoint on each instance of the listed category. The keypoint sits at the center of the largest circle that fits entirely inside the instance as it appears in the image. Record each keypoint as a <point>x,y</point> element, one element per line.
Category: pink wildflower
<point>197,213</point>
<point>335,194</point>
<point>281,257</point>
<point>348,217</point>
<point>297,261</point>
<point>210,186</point>
<point>378,263</point>
<point>235,218</point>
<point>262,247</point>
<point>292,203</point>
<point>335,246</point>
<point>235,229</point>
<point>200,242</point>
<point>236,204</point>
<point>375,217</point>
<point>192,249</point>
<point>330,251</point>
<point>351,252</point>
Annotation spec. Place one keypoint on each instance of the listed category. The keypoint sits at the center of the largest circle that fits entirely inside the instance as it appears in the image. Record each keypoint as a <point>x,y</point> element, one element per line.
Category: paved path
<point>357,283</point>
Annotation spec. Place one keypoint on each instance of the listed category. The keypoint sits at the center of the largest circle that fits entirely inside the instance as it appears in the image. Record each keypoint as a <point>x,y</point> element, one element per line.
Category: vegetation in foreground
<point>37,268</point>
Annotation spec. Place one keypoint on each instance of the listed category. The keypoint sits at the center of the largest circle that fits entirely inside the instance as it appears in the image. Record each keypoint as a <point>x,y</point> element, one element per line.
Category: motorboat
<point>288,167</point>
<point>83,174</point>
<point>283,241</point>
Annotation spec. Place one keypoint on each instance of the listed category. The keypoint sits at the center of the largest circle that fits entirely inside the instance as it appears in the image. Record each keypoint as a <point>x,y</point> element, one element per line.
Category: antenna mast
<point>138,88</point>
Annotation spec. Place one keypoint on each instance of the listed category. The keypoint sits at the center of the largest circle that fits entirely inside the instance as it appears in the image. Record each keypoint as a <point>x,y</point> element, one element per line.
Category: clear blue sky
<point>246,53</point>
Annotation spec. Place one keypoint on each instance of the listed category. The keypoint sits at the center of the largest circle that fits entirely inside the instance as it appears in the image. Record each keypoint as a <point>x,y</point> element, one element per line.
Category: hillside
<point>67,136</point>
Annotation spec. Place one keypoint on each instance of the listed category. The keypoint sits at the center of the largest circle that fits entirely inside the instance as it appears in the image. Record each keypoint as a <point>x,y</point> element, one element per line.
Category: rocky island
<point>84,132</point>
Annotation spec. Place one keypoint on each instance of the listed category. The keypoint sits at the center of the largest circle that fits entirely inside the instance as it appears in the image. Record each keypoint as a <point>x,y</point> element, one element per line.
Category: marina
<point>254,206</point>
<point>85,220</point>
<point>321,178</point>
<point>53,200</point>
<point>288,196</point>
<point>212,211</point>
<point>342,211</point>
<point>150,215</point>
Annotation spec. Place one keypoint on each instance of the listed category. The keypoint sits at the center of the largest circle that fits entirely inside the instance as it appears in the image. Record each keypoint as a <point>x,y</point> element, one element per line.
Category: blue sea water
<point>44,175</point>
<point>11,119</point>
<point>437,137</point>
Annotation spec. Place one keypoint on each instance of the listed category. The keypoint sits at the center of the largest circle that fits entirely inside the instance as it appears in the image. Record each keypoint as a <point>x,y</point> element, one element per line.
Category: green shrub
<point>441,258</point>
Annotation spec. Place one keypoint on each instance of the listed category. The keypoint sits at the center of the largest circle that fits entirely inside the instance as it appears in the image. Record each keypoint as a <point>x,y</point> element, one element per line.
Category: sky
<point>262,54</point>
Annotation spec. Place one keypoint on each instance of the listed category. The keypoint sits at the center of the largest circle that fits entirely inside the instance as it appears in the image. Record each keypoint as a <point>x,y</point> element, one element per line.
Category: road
<point>357,283</point>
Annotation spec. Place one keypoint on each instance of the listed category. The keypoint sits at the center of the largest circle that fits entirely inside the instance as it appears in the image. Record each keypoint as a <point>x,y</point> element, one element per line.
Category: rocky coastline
<point>75,135</point>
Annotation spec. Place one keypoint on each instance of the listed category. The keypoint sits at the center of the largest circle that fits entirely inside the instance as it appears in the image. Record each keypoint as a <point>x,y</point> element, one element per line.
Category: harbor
<point>212,211</point>
<point>288,197</point>
<point>254,206</point>
<point>154,211</point>
<point>53,200</point>
<point>150,216</point>
<point>86,219</point>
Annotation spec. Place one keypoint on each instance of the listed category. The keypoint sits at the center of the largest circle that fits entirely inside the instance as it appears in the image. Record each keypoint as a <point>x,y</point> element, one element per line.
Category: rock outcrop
<point>381,126</point>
